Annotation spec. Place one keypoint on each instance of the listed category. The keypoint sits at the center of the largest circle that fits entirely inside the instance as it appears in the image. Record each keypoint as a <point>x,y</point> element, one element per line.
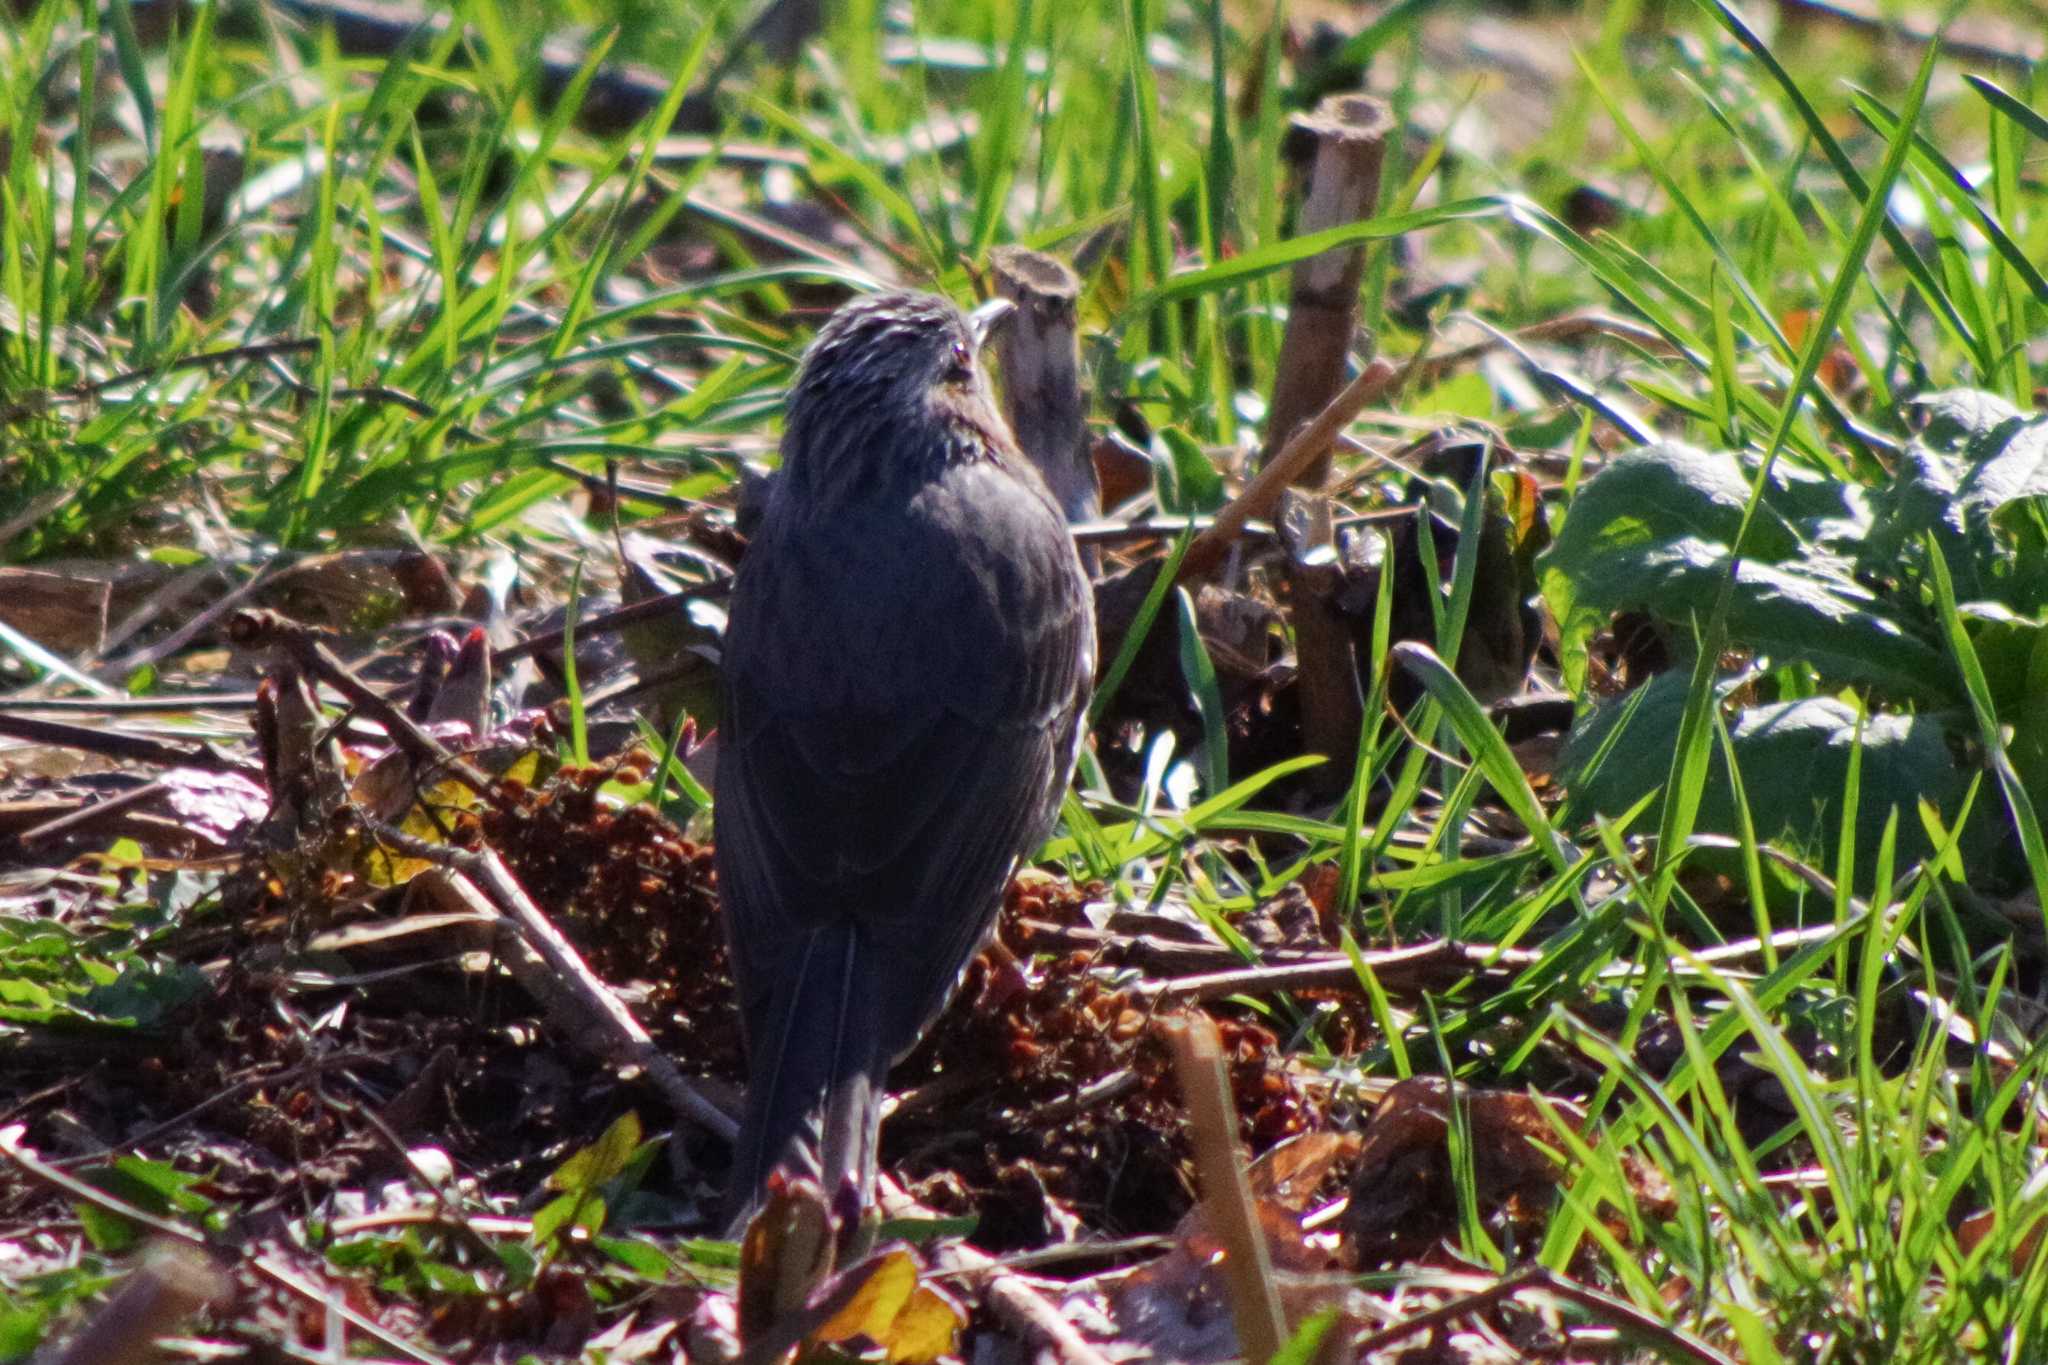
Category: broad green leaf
<point>1970,477</point>
<point>1654,531</point>
<point>1794,757</point>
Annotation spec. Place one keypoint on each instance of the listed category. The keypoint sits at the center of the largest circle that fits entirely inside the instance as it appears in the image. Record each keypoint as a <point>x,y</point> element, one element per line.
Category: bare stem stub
<point>1040,355</point>
<point>1341,145</point>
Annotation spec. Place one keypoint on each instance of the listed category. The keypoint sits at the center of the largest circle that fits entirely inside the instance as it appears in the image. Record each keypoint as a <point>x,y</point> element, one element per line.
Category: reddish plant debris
<point>1049,1130</point>
<point>637,898</point>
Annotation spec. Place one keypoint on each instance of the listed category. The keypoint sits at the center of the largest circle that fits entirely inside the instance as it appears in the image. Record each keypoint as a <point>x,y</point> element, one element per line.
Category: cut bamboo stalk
<point>1342,145</point>
<point>1040,354</point>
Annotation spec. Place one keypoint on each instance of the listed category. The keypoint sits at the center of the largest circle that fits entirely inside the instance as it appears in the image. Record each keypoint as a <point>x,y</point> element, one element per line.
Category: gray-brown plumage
<point>907,665</point>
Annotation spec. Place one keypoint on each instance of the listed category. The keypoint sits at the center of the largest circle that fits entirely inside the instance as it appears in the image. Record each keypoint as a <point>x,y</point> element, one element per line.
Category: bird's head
<point>895,376</point>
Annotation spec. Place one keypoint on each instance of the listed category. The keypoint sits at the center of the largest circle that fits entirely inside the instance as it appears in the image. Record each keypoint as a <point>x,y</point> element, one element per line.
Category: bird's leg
<point>856,1220</point>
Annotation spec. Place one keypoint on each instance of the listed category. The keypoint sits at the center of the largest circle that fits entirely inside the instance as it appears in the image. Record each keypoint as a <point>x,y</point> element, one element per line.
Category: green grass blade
<point>1468,719</point>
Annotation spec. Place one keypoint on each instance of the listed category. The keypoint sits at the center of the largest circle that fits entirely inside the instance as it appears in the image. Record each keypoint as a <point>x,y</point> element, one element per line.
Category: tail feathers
<point>816,1070</point>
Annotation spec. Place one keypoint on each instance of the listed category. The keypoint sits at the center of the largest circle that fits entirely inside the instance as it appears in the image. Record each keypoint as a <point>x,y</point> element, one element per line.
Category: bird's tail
<point>816,1067</point>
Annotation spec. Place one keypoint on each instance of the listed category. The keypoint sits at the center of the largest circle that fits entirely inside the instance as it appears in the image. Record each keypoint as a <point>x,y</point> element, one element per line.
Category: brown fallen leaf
<point>1177,1306</point>
<point>785,1253</point>
<point>1403,1197</point>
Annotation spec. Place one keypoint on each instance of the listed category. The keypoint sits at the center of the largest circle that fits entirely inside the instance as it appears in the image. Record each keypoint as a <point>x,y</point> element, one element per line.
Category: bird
<point>907,665</point>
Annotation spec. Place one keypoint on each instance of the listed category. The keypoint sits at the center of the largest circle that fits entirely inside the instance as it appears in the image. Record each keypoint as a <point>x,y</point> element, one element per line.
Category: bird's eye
<point>959,366</point>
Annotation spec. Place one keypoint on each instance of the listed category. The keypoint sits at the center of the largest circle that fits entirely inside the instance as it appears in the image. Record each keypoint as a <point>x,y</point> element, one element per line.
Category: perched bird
<point>907,667</point>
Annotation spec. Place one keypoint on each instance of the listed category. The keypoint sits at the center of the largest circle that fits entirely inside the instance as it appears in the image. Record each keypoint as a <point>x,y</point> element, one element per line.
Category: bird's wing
<point>887,758</point>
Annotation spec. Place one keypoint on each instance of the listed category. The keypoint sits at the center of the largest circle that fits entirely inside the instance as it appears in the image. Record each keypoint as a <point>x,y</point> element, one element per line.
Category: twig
<point>36,1099</point>
<point>312,1066</point>
<point>11,1148</point>
<point>952,1087</point>
<point>1393,968</point>
<point>1063,1253</point>
<point>1149,951</point>
<point>1195,972</point>
<point>1261,497</point>
<point>1625,1316</point>
<point>252,629</point>
<point>96,706</point>
<point>171,594</point>
<point>115,744</point>
<point>483,1224</point>
<point>1113,532</point>
<point>204,620</point>
<point>1022,1308</point>
<point>556,973</point>
<point>90,815</point>
<point>1092,1095</point>
<point>632,1041</point>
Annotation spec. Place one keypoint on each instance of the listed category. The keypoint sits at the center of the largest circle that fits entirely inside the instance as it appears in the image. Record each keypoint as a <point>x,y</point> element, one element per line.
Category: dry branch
<point>1261,497</point>
<point>136,748</point>
<point>254,629</point>
<point>1399,971</point>
<point>551,969</point>
<point>1022,1308</point>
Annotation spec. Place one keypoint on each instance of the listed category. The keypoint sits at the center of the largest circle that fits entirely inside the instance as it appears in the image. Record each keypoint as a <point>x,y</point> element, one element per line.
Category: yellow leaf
<point>876,1303</point>
<point>525,768</point>
<point>384,867</point>
<point>927,1328</point>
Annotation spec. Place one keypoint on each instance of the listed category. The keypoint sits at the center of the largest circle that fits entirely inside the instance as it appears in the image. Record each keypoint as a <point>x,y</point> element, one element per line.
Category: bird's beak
<point>984,320</point>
